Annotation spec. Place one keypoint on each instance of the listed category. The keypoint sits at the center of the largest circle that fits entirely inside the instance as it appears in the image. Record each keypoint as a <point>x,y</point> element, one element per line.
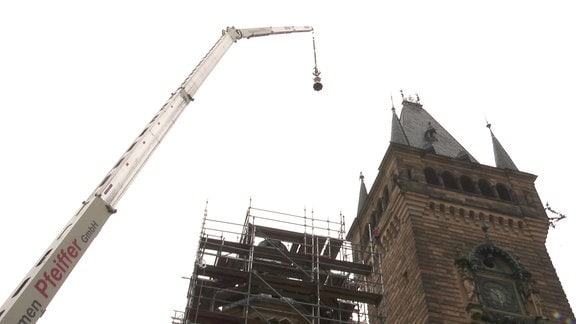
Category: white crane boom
<point>29,301</point>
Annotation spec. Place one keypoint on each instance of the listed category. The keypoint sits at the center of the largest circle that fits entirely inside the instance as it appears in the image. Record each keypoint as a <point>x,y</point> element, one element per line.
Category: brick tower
<point>456,241</point>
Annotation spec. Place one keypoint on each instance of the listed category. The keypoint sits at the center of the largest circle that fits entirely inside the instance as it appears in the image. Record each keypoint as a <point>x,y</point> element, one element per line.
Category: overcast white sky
<point>80,80</point>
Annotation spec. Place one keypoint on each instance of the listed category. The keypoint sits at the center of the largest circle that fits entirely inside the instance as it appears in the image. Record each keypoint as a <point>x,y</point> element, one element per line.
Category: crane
<point>29,300</point>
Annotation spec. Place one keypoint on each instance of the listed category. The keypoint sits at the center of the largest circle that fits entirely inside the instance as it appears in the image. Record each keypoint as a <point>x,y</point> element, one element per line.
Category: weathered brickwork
<point>420,227</point>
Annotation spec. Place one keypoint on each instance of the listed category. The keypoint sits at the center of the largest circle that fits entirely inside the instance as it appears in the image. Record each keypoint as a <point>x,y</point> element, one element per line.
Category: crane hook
<point>317,84</point>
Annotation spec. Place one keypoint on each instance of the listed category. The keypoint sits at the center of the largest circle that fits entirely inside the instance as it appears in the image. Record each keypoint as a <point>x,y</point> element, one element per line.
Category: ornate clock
<point>498,294</point>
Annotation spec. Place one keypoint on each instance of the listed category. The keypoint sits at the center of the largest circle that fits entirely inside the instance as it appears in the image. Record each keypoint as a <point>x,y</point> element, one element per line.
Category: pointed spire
<point>501,157</point>
<point>398,136</point>
<point>363,195</point>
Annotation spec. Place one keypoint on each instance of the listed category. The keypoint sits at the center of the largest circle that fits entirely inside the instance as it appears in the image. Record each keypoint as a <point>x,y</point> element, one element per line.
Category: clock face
<point>498,294</point>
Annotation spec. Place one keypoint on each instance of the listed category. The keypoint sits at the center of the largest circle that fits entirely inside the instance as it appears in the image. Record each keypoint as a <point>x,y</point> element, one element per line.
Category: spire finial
<point>402,93</point>
<point>361,176</point>
<point>489,126</point>
<point>317,80</point>
<point>392,100</point>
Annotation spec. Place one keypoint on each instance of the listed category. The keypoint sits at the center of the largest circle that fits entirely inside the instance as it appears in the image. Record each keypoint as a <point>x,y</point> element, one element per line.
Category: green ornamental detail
<point>498,288</point>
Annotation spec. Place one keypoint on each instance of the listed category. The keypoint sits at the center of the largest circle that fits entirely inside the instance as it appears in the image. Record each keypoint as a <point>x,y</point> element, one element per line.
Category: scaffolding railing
<point>177,317</point>
<point>280,267</point>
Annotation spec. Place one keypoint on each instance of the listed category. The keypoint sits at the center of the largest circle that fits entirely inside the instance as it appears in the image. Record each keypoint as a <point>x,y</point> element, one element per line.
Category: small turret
<point>501,157</point>
<point>398,135</point>
<point>363,195</point>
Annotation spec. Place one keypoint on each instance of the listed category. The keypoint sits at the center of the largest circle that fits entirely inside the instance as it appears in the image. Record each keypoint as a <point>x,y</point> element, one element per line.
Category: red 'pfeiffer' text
<point>62,262</point>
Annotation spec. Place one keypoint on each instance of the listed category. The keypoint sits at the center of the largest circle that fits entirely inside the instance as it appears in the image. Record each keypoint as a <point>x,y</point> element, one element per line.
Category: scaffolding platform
<point>279,268</point>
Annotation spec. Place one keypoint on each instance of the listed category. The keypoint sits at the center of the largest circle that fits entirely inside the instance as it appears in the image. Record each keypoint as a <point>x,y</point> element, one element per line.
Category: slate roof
<point>417,128</point>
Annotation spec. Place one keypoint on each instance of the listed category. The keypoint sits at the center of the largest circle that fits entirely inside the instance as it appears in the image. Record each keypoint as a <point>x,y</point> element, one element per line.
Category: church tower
<point>456,241</point>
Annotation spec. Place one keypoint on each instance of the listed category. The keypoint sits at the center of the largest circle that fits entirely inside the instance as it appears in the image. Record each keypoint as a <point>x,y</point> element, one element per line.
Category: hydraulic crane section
<point>29,301</point>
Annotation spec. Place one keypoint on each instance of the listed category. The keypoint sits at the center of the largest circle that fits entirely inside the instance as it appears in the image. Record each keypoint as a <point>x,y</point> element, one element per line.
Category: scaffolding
<point>280,268</point>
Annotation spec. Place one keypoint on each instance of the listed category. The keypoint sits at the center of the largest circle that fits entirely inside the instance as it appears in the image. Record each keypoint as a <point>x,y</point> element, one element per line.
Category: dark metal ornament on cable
<point>317,84</point>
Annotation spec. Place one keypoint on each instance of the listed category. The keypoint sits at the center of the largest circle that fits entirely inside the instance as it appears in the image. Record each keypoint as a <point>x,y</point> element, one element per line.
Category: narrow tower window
<point>431,177</point>
<point>485,188</point>
<point>503,192</point>
<point>449,180</point>
<point>384,200</point>
<point>467,184</point>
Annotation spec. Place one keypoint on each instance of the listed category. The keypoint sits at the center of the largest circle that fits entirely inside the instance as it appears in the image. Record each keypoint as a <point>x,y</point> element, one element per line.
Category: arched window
<point>385,199</point>
<point>449,180</point>
<point>379,206</point>
<point>366,235</point>
<point>467,184</point>
<point>485,188</point>
<point>431,177</point>
<point>375,218</point>
<point>503,192</point>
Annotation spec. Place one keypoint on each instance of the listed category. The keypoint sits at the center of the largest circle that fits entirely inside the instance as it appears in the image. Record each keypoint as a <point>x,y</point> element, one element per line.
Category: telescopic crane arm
<point>30,299</point>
